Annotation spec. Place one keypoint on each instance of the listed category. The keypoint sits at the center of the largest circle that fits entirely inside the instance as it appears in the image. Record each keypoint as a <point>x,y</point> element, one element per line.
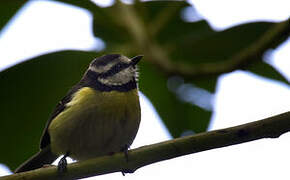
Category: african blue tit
<point>100,115</point>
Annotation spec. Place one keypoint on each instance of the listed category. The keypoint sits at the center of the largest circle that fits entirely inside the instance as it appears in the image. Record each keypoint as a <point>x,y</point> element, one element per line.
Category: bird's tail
<point>44,156</point>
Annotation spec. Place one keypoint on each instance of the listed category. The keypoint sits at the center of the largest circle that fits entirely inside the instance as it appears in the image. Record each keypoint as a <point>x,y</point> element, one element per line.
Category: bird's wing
<point>45,139</point>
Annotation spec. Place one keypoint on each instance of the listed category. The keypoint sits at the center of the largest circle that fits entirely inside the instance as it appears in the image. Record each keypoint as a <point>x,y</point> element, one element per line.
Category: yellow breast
<point>96,123</point>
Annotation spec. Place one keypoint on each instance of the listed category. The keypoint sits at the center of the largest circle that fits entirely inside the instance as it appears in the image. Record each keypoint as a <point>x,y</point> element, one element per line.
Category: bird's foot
<point>62,164</point>
<point>124,171</point>
<point>125,150</point>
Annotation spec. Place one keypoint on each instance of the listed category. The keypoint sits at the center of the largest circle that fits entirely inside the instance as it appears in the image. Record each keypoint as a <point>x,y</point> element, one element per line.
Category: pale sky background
<point>45,26</point>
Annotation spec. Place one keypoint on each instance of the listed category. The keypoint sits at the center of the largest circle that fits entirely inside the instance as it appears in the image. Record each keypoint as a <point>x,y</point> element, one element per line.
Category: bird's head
<point>114,69</point>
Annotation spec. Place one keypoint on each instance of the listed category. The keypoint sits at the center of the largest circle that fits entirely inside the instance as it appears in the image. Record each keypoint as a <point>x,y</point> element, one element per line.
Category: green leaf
<point>165,16</point>
<point>108,27</point>
<point>220,46</point>
<point>171,28</point>
<point>8,9</point>
<point>266,70</point>
<point>29,92</point>
<point>178,116</point>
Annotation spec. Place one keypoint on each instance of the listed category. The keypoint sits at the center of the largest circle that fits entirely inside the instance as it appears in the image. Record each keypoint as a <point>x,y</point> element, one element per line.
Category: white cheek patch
<point>102,69</point>
<point>125,59</point>
<point>120,78</point>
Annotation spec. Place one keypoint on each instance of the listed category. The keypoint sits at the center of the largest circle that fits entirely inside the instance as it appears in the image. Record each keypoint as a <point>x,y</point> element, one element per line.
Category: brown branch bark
<point>271,127</point>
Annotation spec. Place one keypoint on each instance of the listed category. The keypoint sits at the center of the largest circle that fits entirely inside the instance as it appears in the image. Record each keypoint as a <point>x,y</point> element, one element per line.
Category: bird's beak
<point>136,59</point>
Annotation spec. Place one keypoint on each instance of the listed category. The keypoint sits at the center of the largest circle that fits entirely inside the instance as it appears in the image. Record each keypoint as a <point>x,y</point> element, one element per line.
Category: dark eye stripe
<point>115,69</point>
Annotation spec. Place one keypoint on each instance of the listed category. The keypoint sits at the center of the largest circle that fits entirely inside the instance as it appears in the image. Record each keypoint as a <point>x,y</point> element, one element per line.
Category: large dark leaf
<point>220,46</point>
<point>165,16</point>
<point>178,116</point>
<point>109,25</point>
<point>29,92</point>
<point>266,70</point>
<point>8,9</point>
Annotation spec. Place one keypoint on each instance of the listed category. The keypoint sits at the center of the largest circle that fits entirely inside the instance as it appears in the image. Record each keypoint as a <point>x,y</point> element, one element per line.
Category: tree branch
<point>271,127</point>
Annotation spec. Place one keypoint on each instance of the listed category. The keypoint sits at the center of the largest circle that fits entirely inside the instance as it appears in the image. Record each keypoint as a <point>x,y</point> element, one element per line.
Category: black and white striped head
<point>114,72</point>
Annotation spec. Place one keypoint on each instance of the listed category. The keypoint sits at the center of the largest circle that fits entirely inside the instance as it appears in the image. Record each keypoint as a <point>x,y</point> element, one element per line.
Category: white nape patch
<point>102,69</point>
<point>120,78</point>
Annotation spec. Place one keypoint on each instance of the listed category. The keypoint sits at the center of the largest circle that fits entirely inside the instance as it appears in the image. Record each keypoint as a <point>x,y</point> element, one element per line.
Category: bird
<point>100,115</point>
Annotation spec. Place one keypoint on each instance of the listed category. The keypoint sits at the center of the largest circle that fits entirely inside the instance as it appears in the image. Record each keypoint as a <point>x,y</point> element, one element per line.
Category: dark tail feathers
<point>44,156</point>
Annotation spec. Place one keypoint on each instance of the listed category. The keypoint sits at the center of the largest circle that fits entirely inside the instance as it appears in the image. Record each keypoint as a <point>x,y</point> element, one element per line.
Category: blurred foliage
<point>30,90</point>
<point>178,116</point>
<point>219,46</point>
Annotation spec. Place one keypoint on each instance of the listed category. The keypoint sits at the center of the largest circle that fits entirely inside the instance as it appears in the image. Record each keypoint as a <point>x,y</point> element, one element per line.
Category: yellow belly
<point>96,123</point>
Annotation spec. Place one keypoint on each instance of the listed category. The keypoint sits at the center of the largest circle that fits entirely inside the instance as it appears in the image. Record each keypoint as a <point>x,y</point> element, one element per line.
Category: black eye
<point>118,66</point>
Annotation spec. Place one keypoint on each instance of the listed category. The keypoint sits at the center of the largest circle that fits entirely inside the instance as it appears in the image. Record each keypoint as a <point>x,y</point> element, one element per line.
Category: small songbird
<point>100,115</point>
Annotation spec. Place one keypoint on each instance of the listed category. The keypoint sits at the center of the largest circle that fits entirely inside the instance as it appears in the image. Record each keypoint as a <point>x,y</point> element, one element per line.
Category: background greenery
<point>176,50</point>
